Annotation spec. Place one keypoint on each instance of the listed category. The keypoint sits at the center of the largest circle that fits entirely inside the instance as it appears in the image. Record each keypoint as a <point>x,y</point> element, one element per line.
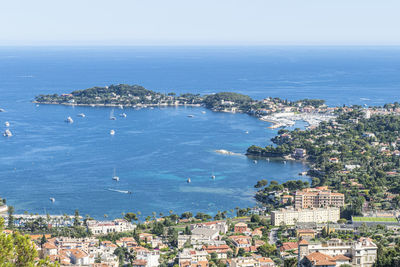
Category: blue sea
<point>154,151</point>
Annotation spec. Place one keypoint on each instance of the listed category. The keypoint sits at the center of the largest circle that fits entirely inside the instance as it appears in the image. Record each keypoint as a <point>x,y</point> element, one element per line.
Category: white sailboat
<point>82,115</point>
<point>112,132</point>
<point>189,181</point>
<point>112,117</point>
<point>122,115</point>
<point>115,177</point>
<point>7,124</point>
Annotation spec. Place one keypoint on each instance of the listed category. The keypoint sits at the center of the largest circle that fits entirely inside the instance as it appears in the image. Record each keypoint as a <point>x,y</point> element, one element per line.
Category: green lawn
<point>374,219</point>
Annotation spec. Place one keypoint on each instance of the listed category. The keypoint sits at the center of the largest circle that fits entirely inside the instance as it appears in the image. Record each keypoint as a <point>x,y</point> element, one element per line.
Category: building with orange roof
<point>266,262</point>
<point>318,259</point>
<point>240,227</point>
<point>288,246</point>
<point>49,249</point>
<point>191,256</point>
<point>317,197</point>
<point>220,250</point>
<point>146,237</point>
<point>241,241</point>
<point>362,252</point>
<point>79,257</point>
<point>139,263</point>
<point>286,199</point>
<point>305,234</point>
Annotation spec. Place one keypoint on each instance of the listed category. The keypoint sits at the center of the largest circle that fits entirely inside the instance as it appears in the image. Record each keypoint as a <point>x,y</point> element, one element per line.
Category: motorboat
<point>7,133</point>
<point>69,120</point>
<point>120,191</point>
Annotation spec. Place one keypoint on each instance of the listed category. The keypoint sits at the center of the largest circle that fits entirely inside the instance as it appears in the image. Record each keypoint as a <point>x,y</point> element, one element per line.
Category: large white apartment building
<point>105,227</point>
<point>290,216</point>
<point>317,197</point>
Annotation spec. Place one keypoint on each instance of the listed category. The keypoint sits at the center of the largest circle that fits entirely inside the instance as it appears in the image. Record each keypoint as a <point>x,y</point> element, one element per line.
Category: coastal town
<point>308,231</point>
<point>345,212</point>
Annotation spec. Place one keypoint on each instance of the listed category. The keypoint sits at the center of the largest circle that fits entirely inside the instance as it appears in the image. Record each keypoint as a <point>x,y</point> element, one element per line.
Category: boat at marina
<point>7,133</point>
<point>52,199</point>
<point>7,124</point>
<point>69,120</point>
<point>82,115</point>
<point>123,115</point>
<point>120,191</point>
<point>112,132</point>
<point>255,161</point>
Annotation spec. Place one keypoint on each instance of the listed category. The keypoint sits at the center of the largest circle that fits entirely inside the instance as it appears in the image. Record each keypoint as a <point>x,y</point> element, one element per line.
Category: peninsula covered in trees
<point>138,96</point>
<point>357,154</point>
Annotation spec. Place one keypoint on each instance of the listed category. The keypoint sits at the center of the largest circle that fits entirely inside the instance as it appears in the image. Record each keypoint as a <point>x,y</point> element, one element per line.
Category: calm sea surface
<point>154,151</point>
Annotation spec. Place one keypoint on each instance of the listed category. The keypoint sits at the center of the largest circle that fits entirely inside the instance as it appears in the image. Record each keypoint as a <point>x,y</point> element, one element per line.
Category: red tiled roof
<point>288,246</point>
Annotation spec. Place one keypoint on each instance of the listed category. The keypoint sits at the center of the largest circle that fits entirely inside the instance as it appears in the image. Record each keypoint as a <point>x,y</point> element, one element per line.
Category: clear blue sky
<point>202,22</point>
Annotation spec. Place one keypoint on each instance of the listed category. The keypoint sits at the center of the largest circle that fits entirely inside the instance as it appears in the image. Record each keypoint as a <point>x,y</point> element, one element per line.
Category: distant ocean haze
<point>154,151</point>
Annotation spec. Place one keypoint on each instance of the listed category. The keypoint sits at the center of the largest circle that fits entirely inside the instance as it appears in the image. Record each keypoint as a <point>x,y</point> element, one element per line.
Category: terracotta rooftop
<point>288,246</point>
<point>303,242</point>
<point>318,259</point>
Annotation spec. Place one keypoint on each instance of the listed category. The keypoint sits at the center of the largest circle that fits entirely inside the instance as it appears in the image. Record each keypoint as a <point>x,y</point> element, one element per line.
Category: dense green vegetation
<point>121,94</point>
<point>19,250</point>
<point>353,154</point>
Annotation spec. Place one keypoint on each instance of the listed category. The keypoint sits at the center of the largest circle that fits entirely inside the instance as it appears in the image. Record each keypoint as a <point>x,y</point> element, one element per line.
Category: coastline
<point>116,105</point>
